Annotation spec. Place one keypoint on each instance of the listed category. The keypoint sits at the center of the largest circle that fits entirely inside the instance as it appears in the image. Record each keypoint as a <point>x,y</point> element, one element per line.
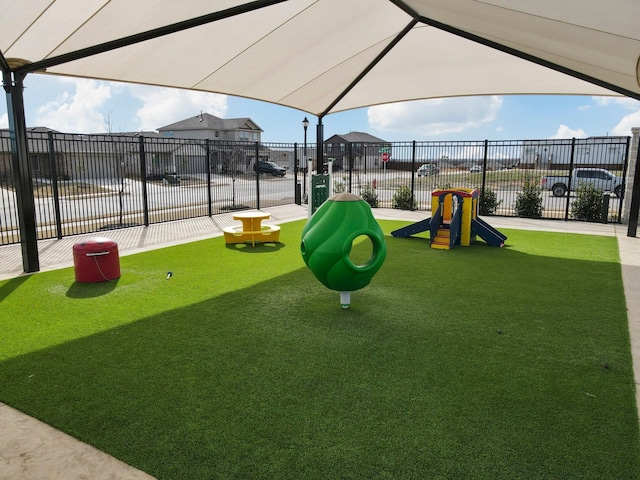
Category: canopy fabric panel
<point>325,56</point>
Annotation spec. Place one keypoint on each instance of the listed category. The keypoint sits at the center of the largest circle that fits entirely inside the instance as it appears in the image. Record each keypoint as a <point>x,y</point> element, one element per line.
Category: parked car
<point>427,169</point>
<point>270,168</point>
<point>476,169</point>
<point>598,177</point>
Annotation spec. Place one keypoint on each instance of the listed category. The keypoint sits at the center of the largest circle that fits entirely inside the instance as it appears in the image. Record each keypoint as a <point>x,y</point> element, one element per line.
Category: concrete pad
<point>32,450</point>
<point>630,265</point>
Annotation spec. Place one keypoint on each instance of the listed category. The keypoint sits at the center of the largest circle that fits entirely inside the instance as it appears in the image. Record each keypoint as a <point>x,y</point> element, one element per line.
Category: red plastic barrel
<point>96,260</point>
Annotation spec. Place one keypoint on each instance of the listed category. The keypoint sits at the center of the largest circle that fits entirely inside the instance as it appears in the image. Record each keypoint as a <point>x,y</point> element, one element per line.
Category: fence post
<point>54,184</point>
<point>413,172</point>
<point>625,173</point>
<point>350,154</point>
<point>571,161</point>
<point>143,178</point>
<point>207,147</point>
<point>634,182</point>
<point>297,193</point>
<point>257,178</point>
<point>484,168</point>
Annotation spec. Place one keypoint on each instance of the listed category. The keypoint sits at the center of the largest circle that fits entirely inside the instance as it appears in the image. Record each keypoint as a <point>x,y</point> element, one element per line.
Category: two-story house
<point>207,126</point>
<point>228,155</point>
<point>365,149</point>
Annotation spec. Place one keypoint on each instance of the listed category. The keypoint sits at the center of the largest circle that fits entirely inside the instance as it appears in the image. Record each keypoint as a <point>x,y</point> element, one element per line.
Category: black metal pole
<point>13,86</point>
<point>257,178</point>
<point>413,172</point>
<point>634,208</point>
<point>569,186</point>
<point>350,167</point>
<point>143,178</point>
<point>319,146</point>
<point>305,160</point>
<point>484,168</point>
<point>207,147</point>
<point>625,173</point>
<point>54,184</point>
<point>297,198</point>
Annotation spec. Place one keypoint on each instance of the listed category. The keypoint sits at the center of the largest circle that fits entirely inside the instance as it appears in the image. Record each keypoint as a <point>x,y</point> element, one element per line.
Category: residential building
<point>602,152</point>
<point>366,150</point>
<point>206,126</point>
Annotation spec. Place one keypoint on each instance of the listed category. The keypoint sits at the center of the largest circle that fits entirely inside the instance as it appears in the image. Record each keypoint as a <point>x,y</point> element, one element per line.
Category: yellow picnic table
<point>251,229</point>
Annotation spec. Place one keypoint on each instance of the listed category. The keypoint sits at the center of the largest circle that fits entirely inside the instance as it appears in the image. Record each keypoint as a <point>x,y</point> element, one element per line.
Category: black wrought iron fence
<point>501,168</point>
<point>91,183</point>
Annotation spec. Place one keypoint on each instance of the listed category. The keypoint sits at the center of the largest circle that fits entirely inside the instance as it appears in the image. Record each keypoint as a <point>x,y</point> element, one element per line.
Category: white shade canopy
<point>324,56</point>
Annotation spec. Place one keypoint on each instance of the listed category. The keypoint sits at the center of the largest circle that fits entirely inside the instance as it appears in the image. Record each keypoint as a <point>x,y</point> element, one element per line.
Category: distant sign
<point>384,150</point>
<point>385,157</point>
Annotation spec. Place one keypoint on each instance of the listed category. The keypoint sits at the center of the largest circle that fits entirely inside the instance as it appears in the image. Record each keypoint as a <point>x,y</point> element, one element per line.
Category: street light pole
<point>305,124</point>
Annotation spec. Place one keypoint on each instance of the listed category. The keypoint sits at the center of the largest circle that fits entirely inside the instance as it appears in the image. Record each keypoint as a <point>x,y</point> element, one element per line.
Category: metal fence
<point>503,167</point>
<point>91,183</point>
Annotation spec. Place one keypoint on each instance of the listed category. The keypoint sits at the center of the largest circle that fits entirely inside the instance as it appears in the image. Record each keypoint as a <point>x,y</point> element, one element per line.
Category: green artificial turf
<point>477,362</point>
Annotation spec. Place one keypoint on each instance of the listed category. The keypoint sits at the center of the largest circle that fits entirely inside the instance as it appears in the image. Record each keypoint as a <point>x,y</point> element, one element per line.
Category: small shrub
<point>403,199</point>
<point>370,196</point>
<point>529,201</point>
<point>588,203</point>
<point>339,187</point>
<point>444,186</point>
<point>488,202</point>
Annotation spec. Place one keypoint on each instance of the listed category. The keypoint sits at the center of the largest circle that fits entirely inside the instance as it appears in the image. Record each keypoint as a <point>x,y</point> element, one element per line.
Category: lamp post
<point>305,124</point>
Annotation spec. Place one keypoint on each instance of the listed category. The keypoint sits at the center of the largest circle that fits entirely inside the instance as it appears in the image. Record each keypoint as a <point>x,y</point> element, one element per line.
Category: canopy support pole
<point>22,177</point>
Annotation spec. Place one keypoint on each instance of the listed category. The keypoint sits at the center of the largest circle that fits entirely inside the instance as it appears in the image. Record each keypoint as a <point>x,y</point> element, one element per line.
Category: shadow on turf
<point>91,290</point>
<point>258,248</point>
<point>11,286</point>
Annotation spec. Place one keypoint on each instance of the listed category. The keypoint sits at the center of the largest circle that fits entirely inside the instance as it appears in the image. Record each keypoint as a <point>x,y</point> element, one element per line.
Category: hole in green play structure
<point>361,250</point>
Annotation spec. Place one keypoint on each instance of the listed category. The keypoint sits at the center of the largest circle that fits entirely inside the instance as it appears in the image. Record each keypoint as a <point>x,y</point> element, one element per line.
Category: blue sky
<point>93,106</point>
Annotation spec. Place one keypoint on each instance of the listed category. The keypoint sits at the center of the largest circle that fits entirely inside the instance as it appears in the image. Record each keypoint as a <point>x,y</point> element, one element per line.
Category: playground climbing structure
<point>455,221</point>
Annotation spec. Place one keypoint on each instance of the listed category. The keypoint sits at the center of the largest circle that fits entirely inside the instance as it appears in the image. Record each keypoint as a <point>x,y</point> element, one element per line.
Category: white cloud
<point>163,106</point>
<point>566,132</point>
<point>435,117</point>
<point>4,121</point>
<point>623,128</point>
<point>625,102</point>
<point>77,112</point>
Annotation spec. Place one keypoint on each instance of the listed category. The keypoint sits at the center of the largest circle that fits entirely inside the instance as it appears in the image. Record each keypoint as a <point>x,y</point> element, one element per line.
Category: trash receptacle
<point>298,194</point>
<point>606,196</point>
<point>96,260</point>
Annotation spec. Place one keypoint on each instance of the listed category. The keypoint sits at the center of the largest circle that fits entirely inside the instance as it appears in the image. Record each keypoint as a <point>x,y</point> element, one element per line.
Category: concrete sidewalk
<point>32,450</point>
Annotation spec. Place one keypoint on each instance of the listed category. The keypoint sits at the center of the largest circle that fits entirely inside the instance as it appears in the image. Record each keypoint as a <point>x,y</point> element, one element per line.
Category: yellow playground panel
<point>449,199</point>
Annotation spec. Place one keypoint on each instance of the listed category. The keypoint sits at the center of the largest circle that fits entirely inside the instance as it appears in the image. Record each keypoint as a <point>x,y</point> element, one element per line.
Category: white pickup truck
<point>599,177</point>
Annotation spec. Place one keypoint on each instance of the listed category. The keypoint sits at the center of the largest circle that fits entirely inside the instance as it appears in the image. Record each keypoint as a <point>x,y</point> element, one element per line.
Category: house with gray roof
<point>366,150</point>
<point>206,126</point>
